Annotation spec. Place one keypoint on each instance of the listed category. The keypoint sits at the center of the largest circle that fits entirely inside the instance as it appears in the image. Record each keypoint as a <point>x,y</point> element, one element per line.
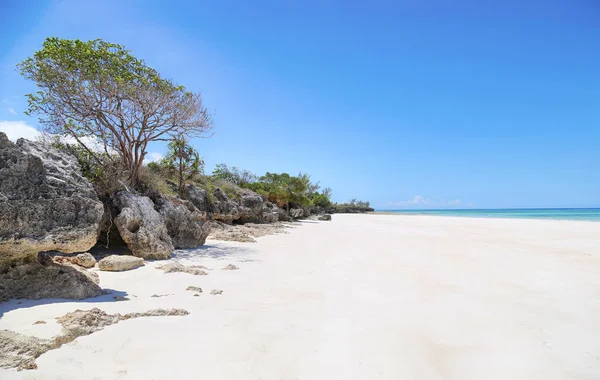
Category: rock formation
<point>185,223</point>
<point>45,203</point>
<point>247,207</point>
<point>244,233</point>
<point>85,260</point>
<point>142,227</point>
<point>297,213</point>
<point>20,351</point>
<point>175,267</point>
<point>118,263</point>
<point>37,280</point>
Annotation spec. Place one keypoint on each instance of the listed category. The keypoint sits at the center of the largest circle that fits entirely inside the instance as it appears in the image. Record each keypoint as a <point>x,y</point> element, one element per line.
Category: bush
<point>321,200</point>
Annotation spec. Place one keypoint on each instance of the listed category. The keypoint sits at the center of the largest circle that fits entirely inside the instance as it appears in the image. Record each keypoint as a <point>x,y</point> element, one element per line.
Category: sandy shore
<point>362,297</point>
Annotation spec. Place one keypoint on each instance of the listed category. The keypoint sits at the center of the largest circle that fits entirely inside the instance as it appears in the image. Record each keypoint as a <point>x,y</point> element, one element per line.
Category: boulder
<point>118,263</point>
<point>198,197</point>
<point>45,203</point>
<point>297,213</point>
<point>186,225</point>
<point>141,227</point>
<point>48,280</point>
<point>224,209</point>
<point>175,267</point>
<point>270,213</point>
<point>283,216</point>
<point>247,207</point>
<point>85,260</point>
<point>325,217</point>
<point>251,208</point>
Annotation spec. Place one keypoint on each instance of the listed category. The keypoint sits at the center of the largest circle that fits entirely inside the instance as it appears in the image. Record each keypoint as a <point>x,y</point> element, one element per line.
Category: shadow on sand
<point>15,304</point>
<point>216,251</point>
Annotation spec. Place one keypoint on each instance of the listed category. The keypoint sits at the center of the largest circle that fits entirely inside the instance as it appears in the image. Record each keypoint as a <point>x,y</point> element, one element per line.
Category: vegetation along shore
<point>87,182</point>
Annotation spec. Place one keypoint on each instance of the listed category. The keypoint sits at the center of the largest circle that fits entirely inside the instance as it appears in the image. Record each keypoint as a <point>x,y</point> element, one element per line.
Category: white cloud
<point>19,129</point>
<point>12,111</point>
<point>419,201</point>
<point>153,157</point>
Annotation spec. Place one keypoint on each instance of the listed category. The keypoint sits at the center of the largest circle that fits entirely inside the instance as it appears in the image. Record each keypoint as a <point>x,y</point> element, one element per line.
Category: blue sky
<point>408,104</point>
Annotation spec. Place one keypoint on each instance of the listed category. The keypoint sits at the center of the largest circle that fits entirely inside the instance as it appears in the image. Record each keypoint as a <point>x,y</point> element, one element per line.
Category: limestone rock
<point>230,267</point>
<point>36,281</point>
<point>20,351</point>
<point>185,224</point>
<point>196,289</point>
<point>321,217</point>
<point>118,263</point>
<point>297,213</point>
<point>216,292</point>
<point>224,209</point>
<point>85,260</point>
<point>244,233</point>
<point>283,216</point>
<point>270,213</point>
<point>45,203</point>
<point>175,267</point>
<point>247,207</point>
<point>141,227</point>
<point>251,208</point>
<point>198,197</point>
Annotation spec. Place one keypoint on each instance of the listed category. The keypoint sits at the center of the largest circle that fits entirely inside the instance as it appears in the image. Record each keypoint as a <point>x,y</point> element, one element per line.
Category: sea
<point>589,214</point>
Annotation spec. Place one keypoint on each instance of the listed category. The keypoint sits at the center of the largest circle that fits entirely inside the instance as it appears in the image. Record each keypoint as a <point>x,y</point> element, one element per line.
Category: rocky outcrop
<point>246,207</point>
<point>141,227</point>
<point>349,209</point>
<point>45,203</point>
<point>251,208</point>
<point>244,233</point>
<point>118,263</point>
<point>85,260</point>
<point>270,212</point>
<point>224,209</point>
<point>283,216</point>
<point>297,213</point>
<point>20,351</point>
<point>322,217</point>
<point>37,280</point>
<point>186,225</point>
<point>174,267</point>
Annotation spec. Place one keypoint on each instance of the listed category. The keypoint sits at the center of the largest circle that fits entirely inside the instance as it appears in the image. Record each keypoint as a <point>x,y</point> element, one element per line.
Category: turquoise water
<point>591,214</point>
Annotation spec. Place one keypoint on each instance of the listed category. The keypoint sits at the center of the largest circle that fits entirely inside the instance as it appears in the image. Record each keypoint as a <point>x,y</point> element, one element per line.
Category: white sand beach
<point>361,297</point>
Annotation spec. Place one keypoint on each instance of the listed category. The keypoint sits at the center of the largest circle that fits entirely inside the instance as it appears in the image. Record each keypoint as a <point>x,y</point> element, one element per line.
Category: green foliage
<point>321,200</point>
<point>291,191</point>
<point>105,175</point>
<point>98,91</point>
<point>154,166</point>
<point>355,203</point>
<point>183,160</point>
<point>210,198</point>
<point>234,175</point>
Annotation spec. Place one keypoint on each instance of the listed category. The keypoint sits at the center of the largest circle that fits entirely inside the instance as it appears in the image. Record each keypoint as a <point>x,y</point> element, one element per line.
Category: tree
<point>234,175</point>
<point>184,160</point>
<point>97,90</point>
<point>321,200</point>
